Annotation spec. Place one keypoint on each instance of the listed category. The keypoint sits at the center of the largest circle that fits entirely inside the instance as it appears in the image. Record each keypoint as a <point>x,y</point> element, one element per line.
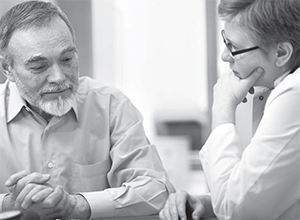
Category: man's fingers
<point>36,178</point>
<point>61,207</point>
<point>25,197</point>
<point>53,198</point>
<point>13,179</point>
<point>41,195</point>
<point>25,177</point>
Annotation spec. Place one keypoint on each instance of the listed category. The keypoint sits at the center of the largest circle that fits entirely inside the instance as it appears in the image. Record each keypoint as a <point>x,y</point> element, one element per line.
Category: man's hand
<point>59,204</point>
<point>183,206</point>
<point>39,200</point>
<point>23,186</point>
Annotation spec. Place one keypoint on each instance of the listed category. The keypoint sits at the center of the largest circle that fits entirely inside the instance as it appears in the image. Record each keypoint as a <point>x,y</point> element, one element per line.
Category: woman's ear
<point>284,53</point>
<point>6,69</point>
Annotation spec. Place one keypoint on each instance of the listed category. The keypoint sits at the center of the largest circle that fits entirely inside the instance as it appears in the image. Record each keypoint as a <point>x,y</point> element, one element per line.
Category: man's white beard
<point>57,107</point>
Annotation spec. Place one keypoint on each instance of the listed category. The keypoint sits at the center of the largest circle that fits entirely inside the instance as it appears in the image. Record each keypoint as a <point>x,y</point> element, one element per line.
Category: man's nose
<point>56,75</point>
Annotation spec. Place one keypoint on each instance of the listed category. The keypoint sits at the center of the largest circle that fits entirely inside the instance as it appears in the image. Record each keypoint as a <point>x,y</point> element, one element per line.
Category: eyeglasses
<point>230,46</point>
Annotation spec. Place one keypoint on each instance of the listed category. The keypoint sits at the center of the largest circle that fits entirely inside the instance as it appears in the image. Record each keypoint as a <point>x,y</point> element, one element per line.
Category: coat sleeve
<point>262,181</point>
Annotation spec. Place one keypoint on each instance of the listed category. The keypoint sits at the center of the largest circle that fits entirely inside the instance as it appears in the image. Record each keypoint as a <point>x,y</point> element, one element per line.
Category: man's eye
<point>67,60</point>
<point>38,68</point>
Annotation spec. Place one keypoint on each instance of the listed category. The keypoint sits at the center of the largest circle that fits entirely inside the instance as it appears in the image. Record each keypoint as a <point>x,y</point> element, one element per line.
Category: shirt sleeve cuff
<point>2,200</point>
<point>216,134</point>
<point>100,204</point>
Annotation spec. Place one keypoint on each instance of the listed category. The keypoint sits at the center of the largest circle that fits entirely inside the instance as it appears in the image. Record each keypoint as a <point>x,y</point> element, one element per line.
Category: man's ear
<point>5,68</point>
<point>284,53</point>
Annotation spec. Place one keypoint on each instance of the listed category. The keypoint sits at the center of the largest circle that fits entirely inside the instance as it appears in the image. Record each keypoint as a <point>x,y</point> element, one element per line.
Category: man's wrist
<point>81,208</point>
<point>8,203</point>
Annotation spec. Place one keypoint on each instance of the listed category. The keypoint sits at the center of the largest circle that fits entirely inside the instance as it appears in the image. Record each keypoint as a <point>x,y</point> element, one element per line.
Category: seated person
<point>70,147</point>
<point>261,180</point>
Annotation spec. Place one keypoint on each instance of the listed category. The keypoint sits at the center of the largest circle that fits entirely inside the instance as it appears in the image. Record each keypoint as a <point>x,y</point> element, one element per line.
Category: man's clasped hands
<point>32,193</point>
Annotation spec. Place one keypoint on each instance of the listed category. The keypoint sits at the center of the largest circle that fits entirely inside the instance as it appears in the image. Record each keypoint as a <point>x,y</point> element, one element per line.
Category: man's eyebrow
<point>35,58</point>
<point>69,49</point>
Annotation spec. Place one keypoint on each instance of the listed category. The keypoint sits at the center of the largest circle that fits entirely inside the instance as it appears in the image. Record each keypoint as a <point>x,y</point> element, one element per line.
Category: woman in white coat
<point>261,180</point>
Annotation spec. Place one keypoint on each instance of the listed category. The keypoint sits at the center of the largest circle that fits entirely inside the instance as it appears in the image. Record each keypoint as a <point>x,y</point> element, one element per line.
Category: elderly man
<point>70,147</point>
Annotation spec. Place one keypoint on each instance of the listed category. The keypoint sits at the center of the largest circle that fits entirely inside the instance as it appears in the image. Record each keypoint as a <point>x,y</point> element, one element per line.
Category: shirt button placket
<point>50,165</point>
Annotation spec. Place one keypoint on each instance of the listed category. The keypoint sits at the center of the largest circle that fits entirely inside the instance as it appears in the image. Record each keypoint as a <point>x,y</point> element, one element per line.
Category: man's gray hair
<point>26,15</point>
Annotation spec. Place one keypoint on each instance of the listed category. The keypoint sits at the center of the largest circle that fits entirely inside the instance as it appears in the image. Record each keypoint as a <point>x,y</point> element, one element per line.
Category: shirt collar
<point>75,108</point>
<point>281,78</point>
<point>15,103</point>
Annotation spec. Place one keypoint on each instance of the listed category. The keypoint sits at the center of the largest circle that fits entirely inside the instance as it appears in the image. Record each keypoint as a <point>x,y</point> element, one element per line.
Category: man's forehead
<point>36,43</point>
<point>41,56</point>
<point>54,30</point>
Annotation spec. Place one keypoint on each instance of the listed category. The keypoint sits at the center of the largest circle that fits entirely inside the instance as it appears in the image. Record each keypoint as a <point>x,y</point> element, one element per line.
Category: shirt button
<point>261,97</point>
<point>50,165</point>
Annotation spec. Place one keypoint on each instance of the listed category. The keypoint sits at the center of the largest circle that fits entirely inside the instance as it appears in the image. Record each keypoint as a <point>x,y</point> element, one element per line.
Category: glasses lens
<point>227,44</point>
<point>231,48</point>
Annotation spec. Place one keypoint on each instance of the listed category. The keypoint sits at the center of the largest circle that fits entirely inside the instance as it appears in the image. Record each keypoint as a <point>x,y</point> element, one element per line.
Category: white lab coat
<point>258,177</point>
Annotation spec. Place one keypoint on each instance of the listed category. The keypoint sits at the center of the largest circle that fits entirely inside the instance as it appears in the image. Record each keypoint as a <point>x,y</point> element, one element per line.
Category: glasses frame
<point>233,53</point>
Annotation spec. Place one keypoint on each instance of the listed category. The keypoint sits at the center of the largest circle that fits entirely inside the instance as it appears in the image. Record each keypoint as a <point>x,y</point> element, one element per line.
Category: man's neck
<point>39,111</point>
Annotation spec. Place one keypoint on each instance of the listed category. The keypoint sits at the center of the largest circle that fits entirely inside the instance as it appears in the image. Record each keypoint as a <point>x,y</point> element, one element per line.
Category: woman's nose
<point>226,56</point>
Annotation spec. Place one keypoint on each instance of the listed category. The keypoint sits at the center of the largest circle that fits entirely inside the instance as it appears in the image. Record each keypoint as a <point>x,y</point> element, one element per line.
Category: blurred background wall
<point>164,55</point>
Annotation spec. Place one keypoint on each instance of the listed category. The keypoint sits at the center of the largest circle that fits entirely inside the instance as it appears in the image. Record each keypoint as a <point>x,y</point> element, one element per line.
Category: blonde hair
<point>268,22</point>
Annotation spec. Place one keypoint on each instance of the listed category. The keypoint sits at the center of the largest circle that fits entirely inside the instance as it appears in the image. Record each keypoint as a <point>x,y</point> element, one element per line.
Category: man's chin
<point>57,107</point>
<point>56,112</point>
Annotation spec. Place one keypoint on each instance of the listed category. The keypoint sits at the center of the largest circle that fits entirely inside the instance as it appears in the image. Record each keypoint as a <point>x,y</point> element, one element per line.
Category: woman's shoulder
<point>288,88</point>
<point>290,83</point>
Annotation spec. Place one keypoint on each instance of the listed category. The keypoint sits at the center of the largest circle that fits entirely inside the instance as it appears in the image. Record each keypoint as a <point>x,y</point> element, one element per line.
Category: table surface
<point>152,217</point>
<point>149,217</point>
